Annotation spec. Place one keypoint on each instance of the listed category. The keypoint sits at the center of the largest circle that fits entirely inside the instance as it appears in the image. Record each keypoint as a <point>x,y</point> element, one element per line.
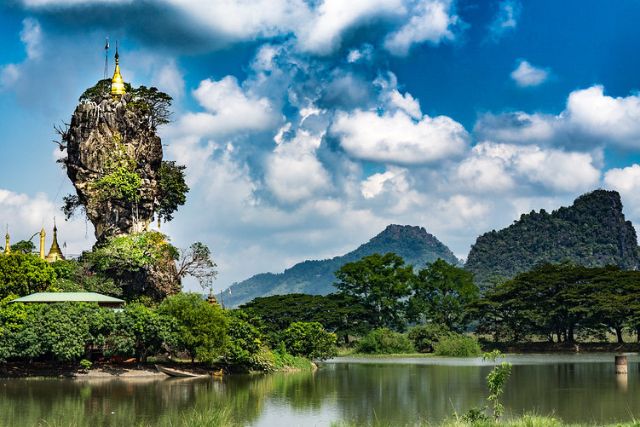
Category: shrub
<point>424,337</point>
<point>309,339</point>
<point>85,365</point>
<point>384,341</point>
<point>457,345</point>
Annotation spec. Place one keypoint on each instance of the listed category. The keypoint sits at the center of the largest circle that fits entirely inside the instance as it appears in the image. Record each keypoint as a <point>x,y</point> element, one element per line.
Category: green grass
<point>524,421</point>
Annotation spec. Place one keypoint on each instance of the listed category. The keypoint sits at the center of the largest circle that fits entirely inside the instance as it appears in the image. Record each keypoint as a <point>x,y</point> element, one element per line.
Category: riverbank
<point>131,370</point>
<point>524,421</point>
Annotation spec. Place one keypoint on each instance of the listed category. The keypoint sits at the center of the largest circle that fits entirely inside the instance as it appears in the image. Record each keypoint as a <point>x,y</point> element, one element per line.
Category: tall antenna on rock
<point>106,58</point>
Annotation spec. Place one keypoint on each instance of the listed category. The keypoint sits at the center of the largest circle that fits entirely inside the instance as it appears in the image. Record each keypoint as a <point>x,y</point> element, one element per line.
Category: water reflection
<point>397,393</point>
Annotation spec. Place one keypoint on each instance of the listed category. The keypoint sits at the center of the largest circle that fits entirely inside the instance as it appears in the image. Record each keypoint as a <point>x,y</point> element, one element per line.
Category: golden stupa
<point>7,245</point>
<point>117,82</point>
<point>55,253</point>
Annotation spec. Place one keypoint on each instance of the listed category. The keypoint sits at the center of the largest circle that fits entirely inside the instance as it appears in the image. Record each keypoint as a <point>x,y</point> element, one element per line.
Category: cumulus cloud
<point>228,109</point>
<point>319,27</point>
<point>431,22</point>
<point>526,75</point>
<point>293,172</point>
<point>506,19</point>
<point>626,181</point>
<point>397,138</point>
<point>31,37</point>
<point>589,119</point>
<point>501,167</point>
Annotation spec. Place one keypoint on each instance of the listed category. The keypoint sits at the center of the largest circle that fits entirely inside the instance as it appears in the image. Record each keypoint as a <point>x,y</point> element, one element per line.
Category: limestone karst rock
<point>104,139</point>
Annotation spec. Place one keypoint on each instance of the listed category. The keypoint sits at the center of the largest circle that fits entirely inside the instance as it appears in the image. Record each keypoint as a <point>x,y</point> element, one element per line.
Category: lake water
<point>576,388</point>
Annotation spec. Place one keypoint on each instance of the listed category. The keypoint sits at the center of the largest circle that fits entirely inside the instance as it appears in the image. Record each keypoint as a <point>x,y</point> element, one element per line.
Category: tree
<point>309,339</point>
<point>380,283</point>
<point>23,274</point>
<point>139,332</point>
<point>172,189</point>
<point>244,340</point>
<point>23,246</point>
<point>338,313</point>
<point>151,104</point>
<point>441,294</point>
<point>200,327</point>
<point>77,275</point>
<point>196,262</point>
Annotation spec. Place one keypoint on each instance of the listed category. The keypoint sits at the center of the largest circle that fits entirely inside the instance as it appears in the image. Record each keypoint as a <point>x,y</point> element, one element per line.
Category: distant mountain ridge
<point>413,244</point>
<point>592,232</point>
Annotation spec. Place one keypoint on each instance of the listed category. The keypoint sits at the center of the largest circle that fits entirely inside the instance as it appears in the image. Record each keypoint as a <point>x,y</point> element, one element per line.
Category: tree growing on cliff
<point>172,189</point>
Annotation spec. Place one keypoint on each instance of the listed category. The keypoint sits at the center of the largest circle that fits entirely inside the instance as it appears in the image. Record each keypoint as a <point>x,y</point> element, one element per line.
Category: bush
<point>85,365</point>
<point>457,345</point>
<point>424,337</point>
<point>309,339</point>
<point>384,341</point>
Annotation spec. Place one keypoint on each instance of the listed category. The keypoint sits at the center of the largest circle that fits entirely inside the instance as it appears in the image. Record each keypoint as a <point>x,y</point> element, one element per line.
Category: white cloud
<point>31,36</point>
<point>229,109</point>
<point>526,75</point>
<point>397,138</point>
<point>318,26</point>
<point>170,79</point>
<point>506,18</point>
<point>293,172</point>
<point>501,167</point>
<point>430,22</point>
<point>590,119</point>
<point>626,181</point>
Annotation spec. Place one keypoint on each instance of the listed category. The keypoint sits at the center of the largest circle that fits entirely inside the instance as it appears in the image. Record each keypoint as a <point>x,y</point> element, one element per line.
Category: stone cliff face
<point>106,137</point>
<point>592,232</point>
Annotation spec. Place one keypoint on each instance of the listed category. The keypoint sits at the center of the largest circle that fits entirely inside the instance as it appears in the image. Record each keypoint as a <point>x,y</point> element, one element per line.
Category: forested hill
<point>414,244</point>
<point>592,232</point>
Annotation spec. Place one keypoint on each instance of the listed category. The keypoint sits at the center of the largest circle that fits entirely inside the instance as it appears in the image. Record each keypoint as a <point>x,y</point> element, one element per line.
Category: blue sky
<point>307,126</point>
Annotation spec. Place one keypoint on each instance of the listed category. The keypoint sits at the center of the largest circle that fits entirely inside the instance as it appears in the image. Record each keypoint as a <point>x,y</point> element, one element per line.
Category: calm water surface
<point>580,388</point>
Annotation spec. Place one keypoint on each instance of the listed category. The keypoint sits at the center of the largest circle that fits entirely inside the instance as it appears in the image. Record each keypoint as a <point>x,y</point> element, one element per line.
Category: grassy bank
<point>524,421</point>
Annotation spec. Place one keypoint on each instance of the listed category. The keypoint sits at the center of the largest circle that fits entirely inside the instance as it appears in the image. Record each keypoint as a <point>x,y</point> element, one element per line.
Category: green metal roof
<point>69,297</point>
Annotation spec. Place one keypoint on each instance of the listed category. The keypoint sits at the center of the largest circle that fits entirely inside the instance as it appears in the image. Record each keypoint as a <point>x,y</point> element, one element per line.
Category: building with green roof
<point>56,297</point>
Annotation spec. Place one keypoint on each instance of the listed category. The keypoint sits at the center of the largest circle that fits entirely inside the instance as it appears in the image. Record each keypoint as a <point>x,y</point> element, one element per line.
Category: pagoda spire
<point>55,253</point>
<point>117,82</point>
<point>7,245</point>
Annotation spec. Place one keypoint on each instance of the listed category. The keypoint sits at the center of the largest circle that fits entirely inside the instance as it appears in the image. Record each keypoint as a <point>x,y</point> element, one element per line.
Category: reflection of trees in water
<point>364,394</point>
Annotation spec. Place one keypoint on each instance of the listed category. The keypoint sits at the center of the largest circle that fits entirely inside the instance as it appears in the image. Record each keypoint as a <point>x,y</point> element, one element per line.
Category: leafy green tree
<point>23,246</point>
<point>442,294</point>
<point>425,337</point>
<point>23,274</point>
<point>244,340</point>
<point>172,189</point>
<point>76,276</point>
<point>309,339</point>
<point>150,103</point>
<point>380,283</point>
<point>121,183</point>
<point>338,313</point>
<point>140,331</point>
<point>200,327</point>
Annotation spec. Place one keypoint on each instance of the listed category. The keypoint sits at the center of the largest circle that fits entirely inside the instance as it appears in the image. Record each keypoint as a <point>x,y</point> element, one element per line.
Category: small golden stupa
<point>55,253</point>
<point>117,82</point>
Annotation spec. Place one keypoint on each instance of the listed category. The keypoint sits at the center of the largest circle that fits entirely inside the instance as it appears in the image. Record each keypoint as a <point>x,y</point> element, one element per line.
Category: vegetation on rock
<point>592,232</point>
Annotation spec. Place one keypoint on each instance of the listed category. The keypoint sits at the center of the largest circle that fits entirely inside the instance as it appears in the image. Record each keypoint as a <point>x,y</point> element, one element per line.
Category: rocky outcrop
<point>592,232</point>
<point>105,137</point>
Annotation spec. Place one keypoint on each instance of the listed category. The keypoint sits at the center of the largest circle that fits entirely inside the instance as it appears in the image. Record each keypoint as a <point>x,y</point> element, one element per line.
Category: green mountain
<point>592,232</point>
<point>414,244</point>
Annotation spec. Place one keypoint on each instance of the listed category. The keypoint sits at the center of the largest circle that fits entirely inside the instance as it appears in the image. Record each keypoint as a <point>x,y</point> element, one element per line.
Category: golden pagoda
<point>7,245</point>
<point>55,253</point>
<point>117,82</point>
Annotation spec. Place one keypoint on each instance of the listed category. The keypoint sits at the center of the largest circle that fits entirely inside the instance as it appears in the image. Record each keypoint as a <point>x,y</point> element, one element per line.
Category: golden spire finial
<point>7,245</point>
<point>43,235</point>
<point>117,82</point>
